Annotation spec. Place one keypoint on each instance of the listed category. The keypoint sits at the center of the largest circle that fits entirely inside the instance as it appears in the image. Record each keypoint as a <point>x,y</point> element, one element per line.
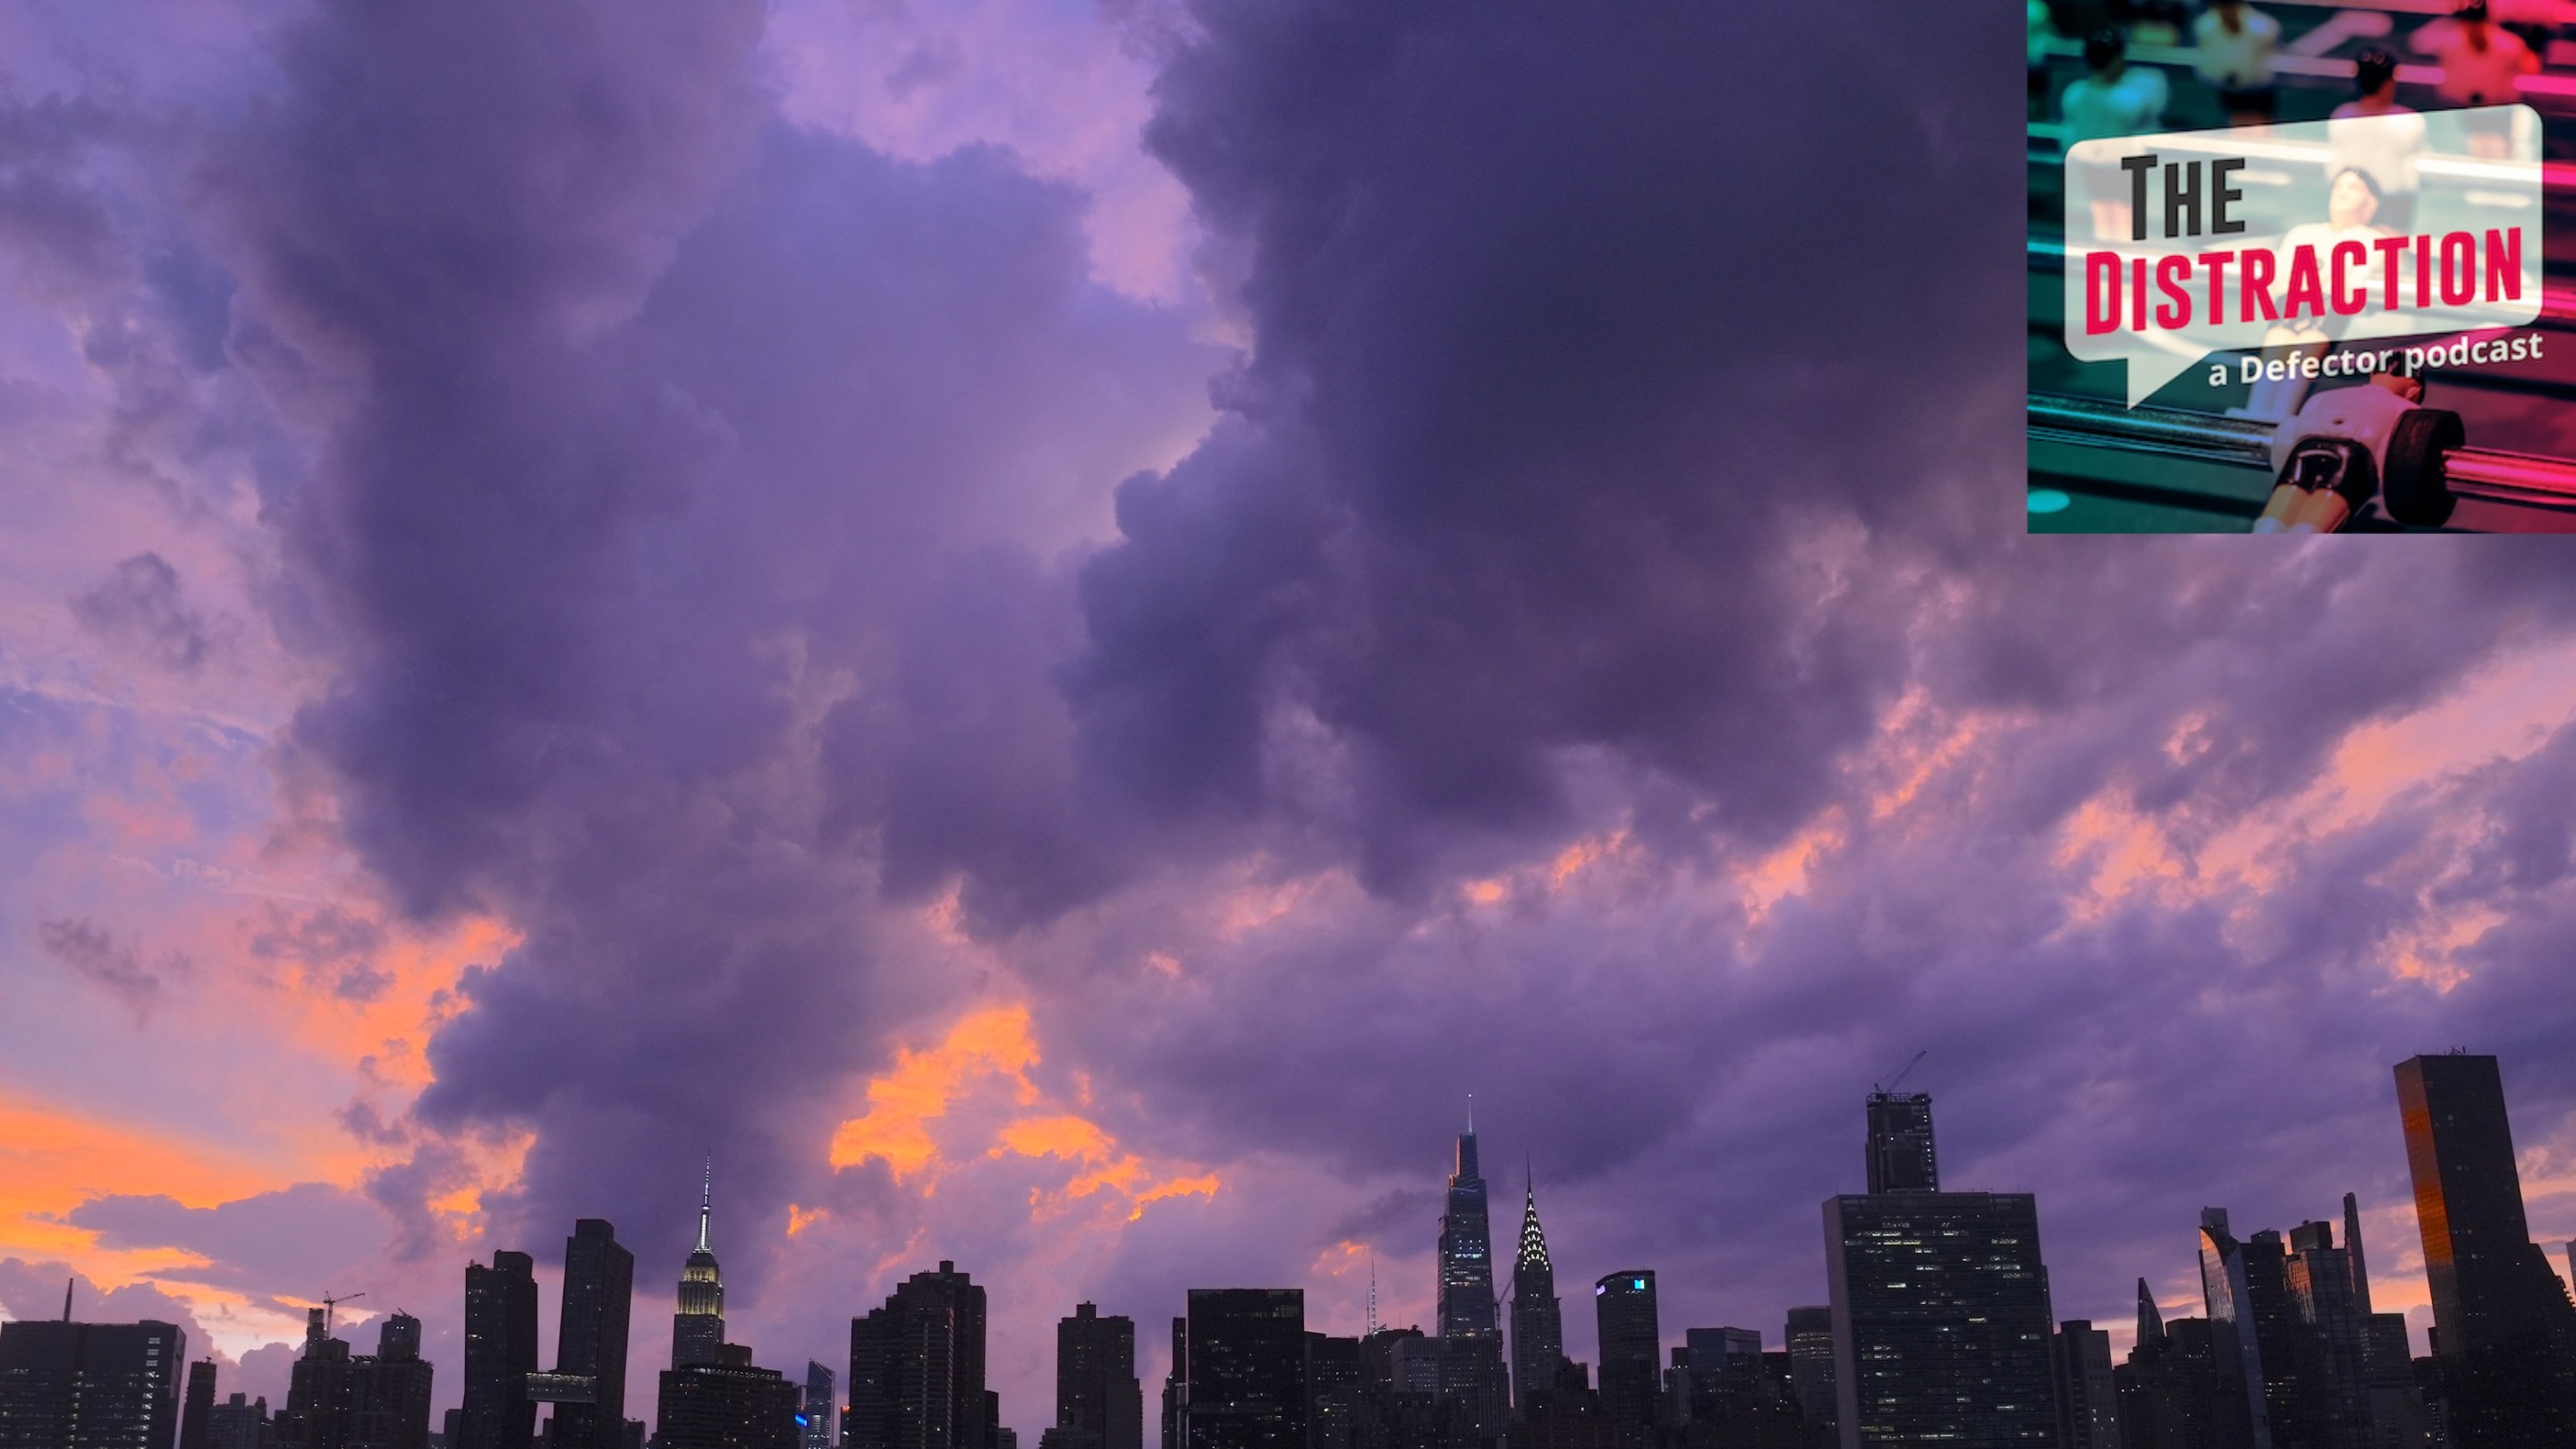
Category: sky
<point>1052,627</point>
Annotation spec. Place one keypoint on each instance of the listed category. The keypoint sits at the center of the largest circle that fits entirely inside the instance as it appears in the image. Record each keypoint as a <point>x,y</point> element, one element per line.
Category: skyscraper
<point>1332,1391</point>
<point>388,1392</point>
<point>1466,1250</point>
<point>590,1346</point>
<point>2088,1406</point>
<point>66,1385</point>
<point>822,1417</point>
<point>2505,1331</point>
<point>2243,1412</point>
<point>317,1396</point>
<point>1901,1158</point>
<point>1469,1351</point>
<point>1096,1392</point>
<point>500,1353</point>
<point>1940,1301</point>
<point>239,1422</point>
<point>1941,1319</point>
<point>726,1403</point>
<point>366,1401</point>
<point>1243,1384</point>
<point>196,1414</point>
<point>2168,1389</point>
<point>917,1368</point>
<point>2335,1378</point>
<point>2288,1362</point>
<point>2395,1404</point>
<point>697,1329</point>
<point>1631,1339</point>
<point>1809,1335</point>
<point>1538,1318</point>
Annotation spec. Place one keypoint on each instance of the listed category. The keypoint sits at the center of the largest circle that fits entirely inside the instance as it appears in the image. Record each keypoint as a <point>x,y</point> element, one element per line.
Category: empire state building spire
<point>706,1204</point>
<point>697,1330</point>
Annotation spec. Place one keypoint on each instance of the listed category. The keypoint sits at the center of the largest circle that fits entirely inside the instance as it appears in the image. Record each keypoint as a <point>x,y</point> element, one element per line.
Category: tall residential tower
<point>500,1353</point>
<point>2503,1328</point>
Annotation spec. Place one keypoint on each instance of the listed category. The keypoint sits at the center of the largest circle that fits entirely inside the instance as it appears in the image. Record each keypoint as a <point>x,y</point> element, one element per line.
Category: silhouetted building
<point>500,1353</point>
<point>1564,1415</point>
<point>1243,1378</point>
<point>1466,1298</point>
<point>240,1422</point>
<point>589,1377</point>
<point>1538,1318</point>
<point>2335,1377</point>
<point>338,1400</point>
<point>1701,1366</point>
<point>1941,1319</point>
<point>388,1392</point>
<point>2241,1411</point>
<point>196,1411</point>
<point>697,1328</point>
<point>588,1384</point>
<point>1471,1371</point>
<point>2505,1332</point>
<point>2088,1404</point>
<point>726,1403</point>
<point>1096,1392</point>
<point>2283,1342</point>
<point>1172,1427</point>
<point>1724,1392</point>
<point>821,1421</point>
<point>1901,1158</point>
<point>2394,1405</point>
<point>1631,1343</point>
<point>1332,1391</point>
<point>2168,1390</point>
<point>66,1385</point>
<point>1810,1338</point>
<point>917,1368</point>
<point>1401,1406</point>
<point>317,1396</point>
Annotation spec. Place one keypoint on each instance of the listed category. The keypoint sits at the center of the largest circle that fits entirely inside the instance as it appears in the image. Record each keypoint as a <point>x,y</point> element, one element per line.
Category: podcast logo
<point>2281,240</point>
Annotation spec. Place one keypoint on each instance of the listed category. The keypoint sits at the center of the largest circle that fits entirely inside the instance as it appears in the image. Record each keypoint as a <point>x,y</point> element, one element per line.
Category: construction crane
<point>1902,1073</point>
<point>329,1303</point>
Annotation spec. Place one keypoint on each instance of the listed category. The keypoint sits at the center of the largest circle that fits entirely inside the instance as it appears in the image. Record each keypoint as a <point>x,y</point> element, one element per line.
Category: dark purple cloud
<point>139,607</point>
<point>1551,331</point>
<point>311,1233</point>
<point>656,434</point>
<point>94,953</point>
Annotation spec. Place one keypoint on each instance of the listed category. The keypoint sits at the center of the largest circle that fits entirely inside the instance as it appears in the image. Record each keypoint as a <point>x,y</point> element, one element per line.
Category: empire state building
<point>697,1330</point>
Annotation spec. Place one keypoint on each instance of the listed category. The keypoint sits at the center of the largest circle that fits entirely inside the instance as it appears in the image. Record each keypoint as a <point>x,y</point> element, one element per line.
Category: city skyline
<point>1893,1129</point>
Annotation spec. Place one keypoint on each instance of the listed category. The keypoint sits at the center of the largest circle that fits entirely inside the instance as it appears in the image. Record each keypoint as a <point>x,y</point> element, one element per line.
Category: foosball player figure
<point>2351,444</point>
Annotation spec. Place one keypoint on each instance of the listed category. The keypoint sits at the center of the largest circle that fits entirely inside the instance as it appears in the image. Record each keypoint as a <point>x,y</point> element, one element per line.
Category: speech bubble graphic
<point>2301,235</point>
